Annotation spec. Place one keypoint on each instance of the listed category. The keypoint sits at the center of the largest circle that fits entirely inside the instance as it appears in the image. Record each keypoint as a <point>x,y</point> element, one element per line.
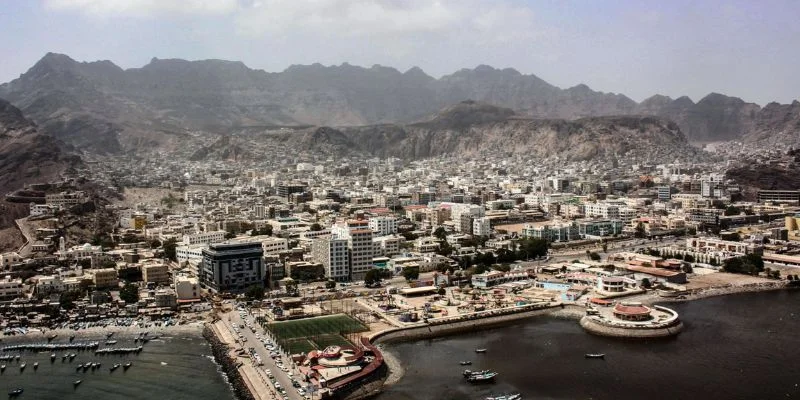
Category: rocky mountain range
<point>102,108</point>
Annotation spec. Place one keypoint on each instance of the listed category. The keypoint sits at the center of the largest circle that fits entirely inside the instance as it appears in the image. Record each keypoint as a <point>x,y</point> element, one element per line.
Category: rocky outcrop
<point>476,128</point>
<point>26,155</point>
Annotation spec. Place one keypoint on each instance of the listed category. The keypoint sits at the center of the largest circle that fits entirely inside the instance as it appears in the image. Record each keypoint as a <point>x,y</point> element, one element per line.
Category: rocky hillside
<point>99,107</point>
<point>477,128</point>
<point>26,155</point>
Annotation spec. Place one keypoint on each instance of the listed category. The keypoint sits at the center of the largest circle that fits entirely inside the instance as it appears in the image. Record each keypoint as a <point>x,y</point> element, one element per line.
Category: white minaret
<point>62,245</point>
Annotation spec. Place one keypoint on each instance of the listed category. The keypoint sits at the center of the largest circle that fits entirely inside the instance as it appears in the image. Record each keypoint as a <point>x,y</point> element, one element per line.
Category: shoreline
<point>396,370</point>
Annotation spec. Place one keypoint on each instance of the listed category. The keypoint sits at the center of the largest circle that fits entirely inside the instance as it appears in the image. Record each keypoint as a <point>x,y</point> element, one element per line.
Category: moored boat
<point>466,363</point>
<point>3,368</point>
<point>594,355</point>
<point>22,366</point>
<point>76,383</point>
<point>480,350</point>
<point>126,366</point>
<point>515,396</point>
<point>114,367</point>
<point>482,378</point>
<point>467,373</point>
<point>16,392</point>
<point>36,365</point>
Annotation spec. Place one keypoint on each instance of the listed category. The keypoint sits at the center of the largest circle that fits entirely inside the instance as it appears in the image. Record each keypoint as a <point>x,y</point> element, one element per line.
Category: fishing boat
<point>52,357</point>
<point>515,396</point>
<point>114,367</point>
<point>71,338</point>
<point>111,342</point>
<point>3,368</point>
<point>109,334</point>
<point>126,366</point>
<point>466,363</point>
<point>76,383</point>
<point>16,392</point>
<point>480,350</point>
<point>36,365</point>
<point>71,356</point>
<point>482,378</point>
<point>594,355</point>
<point>51,337</point>
<point>467,373</point>
<point>22,366</point>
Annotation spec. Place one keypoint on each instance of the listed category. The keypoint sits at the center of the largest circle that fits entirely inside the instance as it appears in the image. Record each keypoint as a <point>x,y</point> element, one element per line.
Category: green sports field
<point>298,336</point>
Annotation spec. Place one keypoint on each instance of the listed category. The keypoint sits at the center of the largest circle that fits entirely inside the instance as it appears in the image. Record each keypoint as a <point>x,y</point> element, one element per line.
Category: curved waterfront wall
<point>456,325</point>
<point>664,328</point>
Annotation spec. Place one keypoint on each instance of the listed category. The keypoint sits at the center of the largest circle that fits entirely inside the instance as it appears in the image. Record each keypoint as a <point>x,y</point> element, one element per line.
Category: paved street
<point>233,319</point>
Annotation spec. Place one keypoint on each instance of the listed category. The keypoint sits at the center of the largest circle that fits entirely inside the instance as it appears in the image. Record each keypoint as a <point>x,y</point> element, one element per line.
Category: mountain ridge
<point>106,109</point>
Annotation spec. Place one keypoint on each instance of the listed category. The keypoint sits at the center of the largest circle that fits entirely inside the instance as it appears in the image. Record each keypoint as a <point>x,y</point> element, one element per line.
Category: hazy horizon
<point>638,49</point>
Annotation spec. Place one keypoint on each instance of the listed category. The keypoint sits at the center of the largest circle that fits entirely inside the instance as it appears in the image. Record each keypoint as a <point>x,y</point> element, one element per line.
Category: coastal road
<point>252,341</point>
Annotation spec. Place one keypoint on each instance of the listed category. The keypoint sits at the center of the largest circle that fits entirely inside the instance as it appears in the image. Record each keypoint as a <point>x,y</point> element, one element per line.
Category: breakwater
<point>466,323</point>
<point>228,365</point>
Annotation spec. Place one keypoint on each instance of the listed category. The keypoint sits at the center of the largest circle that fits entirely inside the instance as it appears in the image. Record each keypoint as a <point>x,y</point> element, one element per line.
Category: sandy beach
<point>99,332</point>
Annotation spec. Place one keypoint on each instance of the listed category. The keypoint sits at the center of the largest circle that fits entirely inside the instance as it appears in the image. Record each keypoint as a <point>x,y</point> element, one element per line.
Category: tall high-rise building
<point>359,244</point>
<point>383,225</point>
<point>333,254</point>
<point>232,267</point>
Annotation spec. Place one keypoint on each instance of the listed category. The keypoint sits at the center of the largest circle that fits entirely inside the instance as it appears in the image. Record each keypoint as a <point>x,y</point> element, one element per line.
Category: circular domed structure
<point>632,312</point>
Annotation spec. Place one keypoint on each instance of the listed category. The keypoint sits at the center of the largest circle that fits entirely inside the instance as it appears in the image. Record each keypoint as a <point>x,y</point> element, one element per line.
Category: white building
<point>11,288</point>
<point>482,227</point>
<point>192,254</point>
<point>37,210</point>
<point>332,253</point>
<point>359,243</point>
<point>383,225</point>
<point>9,259</point>
<point>204,238</point>
<point>187,288</point>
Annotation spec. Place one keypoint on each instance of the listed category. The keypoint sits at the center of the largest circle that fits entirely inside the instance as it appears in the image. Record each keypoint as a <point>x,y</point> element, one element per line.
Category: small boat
<point>76,383</point>
<point>64,357</point>
<point>480,350</point>
<point>126,366</point>
<point>111,342</point>
<point>467,373</point>
<point>51,337</point>
<point>71,337</point>
<point>515,396</point>
<point>466,363</point>
<point>3,368</point>
<point>71,356</point>
<point>22,366</point>
<point>16,357</point>
<point>163,363</point>
<point>482,378</point>
<point>114,367</point>
<point>52,357</point>
<point>16,392</point>
<point>36,365</point>
<point>594,355</point>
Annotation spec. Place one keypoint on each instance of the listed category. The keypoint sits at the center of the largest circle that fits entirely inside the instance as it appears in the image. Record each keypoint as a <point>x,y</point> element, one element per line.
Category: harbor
<point>178,365</point>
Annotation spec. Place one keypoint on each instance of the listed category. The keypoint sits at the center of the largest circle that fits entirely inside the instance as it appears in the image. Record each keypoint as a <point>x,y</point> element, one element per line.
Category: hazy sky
<point>749,49</point>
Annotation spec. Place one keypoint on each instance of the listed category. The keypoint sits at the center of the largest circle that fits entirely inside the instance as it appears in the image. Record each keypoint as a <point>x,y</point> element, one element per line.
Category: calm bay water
<point>189,373</point>
<point>735,347</point>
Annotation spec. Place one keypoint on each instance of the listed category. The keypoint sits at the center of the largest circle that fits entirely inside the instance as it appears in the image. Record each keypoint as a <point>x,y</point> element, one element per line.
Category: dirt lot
<point>722,279</point>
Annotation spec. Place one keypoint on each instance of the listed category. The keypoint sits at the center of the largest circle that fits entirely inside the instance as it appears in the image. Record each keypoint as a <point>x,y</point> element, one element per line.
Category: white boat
<point>480,350</point>
<point>594,355</point>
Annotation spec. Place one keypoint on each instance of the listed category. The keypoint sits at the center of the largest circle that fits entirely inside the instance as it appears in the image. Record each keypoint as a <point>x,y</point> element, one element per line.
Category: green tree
<point>67,299</point>
<point>594,256</point>
<point>155,243</point>
<point>372,277</point>
<point>440,233</point>
<point>411,273</point>
<point>532,248</point>
<point>688,258</point>
<point>732,210</point>
<point>315,227</point>
<point>169,249</point>
<point>639,230</point>
<point>331,284</point>
<point>254,292</point>
<point>646,283</point>
<point>408,235</point>
<point>445,249</point>
<point>129,293</point>
<point>230,234</point>
<point>751,264</point>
